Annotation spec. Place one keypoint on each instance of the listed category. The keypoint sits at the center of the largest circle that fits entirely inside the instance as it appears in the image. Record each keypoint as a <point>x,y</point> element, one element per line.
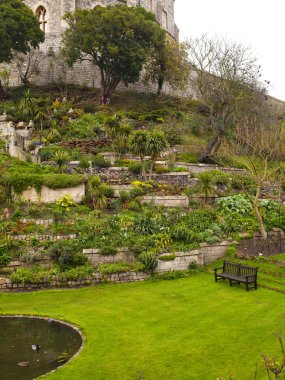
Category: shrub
<point>100,162</point>
<point>86,126</point>
<point>66,256</point>
<point>107,249</point>
<point>149,260</point>
<point>231,251</point>
<point>34,275</point>
<point>84,163</point>
<point>124,196</point>
<point>77,273</point>
<point>135,167</point>
<point>182,233</point>
<point>66,202</point>
<point>169,257</point>
<point>234,204</point>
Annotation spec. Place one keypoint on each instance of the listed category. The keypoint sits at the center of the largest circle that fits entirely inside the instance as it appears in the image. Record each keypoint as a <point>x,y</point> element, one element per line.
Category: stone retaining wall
<point>95,258</point>
<point>205,255</point>
<point>166,201</point>
<point>181,262</point>
<point>41,222</point>
<point>48,195</point>
<point>43,237</point>
<point>201,168</point>
<point>95,279</point>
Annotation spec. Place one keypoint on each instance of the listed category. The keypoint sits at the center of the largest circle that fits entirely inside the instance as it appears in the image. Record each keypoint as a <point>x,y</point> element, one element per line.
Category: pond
<point>30,347</point>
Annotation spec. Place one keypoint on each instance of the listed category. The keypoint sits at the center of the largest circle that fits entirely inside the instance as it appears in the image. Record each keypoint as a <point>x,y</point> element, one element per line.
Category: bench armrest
<point>215,269</point>
<point>251,275</point>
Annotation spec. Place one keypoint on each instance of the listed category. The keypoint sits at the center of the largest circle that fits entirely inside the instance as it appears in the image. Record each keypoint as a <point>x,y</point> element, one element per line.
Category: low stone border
<point>6,285</point>
<point>43,237</point>
<point>75,328</point>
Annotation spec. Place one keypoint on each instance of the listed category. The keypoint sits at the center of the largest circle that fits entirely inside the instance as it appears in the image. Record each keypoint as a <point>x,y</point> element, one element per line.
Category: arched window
<point>41,15</point>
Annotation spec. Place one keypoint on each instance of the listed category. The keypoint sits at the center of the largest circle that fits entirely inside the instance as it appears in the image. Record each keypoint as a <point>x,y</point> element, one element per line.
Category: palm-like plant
<point>97,193</point>
<point>156,144</point>
<point>28,104</point>
<point>206,184</point>
<point>61,158</point>
<point>138,146</point>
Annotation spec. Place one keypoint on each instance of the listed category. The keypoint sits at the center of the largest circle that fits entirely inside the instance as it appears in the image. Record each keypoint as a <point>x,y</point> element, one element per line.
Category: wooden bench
<point>237,273</point>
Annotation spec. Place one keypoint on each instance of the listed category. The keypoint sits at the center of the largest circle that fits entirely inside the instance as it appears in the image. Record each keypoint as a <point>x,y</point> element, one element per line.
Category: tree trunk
<point>160,83</point>
<point>151,169</point>
<point>260,222</point>
<point>208,151</point>
<point>3,94</point>
<point>108,87</point>
<point>143,168</point>
<point>257,213</point>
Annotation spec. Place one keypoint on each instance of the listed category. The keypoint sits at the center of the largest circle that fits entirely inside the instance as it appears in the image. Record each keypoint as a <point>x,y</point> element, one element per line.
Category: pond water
<point>30,347</point>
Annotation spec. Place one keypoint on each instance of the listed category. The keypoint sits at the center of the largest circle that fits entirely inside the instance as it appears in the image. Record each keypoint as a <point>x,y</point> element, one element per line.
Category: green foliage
<point>19,29</point>
<point>149,260</point>
<point>34,275</point>
<point>85,126</point>
<point>77,273</point>
<point>231,251</point>
<point>65,203</point>
<point>66,256</point>
<point>119,267</point>
<point>92,35</point>
<point>176,274</point>
<point>100,161</point>
<point>234,204</point>
<point>169,257</point>
<point>60,157</point>
<point>54,136</point>
<point>135,167</point>
<point>20,182</point>
<point>108,249</point>
<point>99,192</point>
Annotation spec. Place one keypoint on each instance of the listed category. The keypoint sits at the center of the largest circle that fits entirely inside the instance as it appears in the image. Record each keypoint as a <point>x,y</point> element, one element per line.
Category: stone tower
<point>50,16</point>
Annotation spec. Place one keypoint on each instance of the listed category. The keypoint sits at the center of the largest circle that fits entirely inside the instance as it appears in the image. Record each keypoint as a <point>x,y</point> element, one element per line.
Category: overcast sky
<point>258,24</point>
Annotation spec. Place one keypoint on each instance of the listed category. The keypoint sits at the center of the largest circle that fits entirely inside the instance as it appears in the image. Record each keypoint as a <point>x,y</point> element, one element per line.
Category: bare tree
<point>259,150</point>
<point>227,81</point>
<point>27,64</point>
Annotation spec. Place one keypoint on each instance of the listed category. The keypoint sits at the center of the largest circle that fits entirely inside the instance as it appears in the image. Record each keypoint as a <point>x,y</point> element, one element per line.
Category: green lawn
<point>190,328</point>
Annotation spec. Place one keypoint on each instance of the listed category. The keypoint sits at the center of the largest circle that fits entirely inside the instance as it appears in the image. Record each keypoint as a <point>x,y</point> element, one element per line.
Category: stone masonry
<point>50,14</point>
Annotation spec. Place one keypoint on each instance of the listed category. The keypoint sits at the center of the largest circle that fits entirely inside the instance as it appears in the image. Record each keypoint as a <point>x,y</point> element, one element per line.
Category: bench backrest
<point>239,270</point>
<point>247,271</point>
<point>231,268</point>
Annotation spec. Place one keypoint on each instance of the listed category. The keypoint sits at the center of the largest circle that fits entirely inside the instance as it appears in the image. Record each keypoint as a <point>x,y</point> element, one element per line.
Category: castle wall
<point>51,69</point>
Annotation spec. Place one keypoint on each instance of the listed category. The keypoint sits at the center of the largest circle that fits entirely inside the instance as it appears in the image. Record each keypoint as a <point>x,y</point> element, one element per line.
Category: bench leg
<point>246,286</point>
<point>231,284</point>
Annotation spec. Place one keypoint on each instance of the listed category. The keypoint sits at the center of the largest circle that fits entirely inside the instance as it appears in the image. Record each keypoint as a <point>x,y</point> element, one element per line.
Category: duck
<point>36,347</point>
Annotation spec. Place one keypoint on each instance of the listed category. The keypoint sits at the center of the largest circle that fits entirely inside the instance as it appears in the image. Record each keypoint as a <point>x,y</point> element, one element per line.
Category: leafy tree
<point>117,39</point>
<point>227,81</point>
<point>19,29</point>
<point>170,65</point>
